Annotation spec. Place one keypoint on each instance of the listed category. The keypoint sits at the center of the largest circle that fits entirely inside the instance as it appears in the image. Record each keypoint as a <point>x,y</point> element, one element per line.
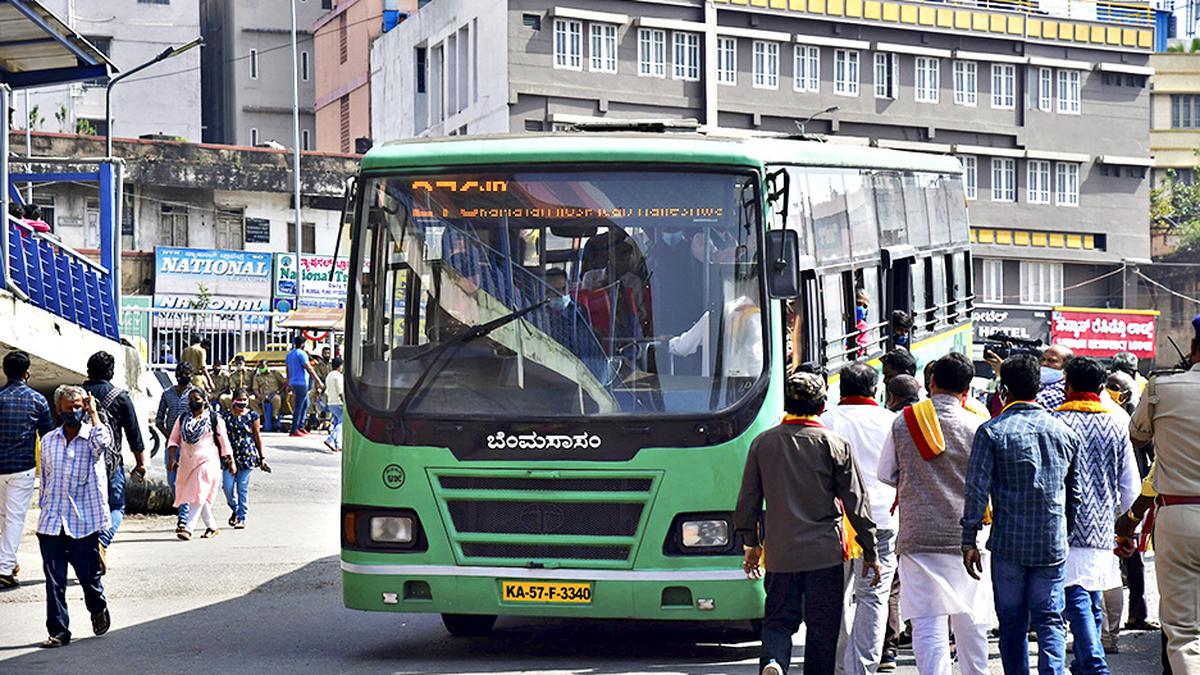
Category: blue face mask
<point>860,313</point>
<point>672,238</point>
<point>902,340</point>
<point>72,418</point>
<point>562,302</point>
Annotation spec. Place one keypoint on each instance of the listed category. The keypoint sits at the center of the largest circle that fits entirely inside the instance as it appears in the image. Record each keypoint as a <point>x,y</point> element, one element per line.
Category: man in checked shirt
<point>1024,460</point>
<point>74,510</point>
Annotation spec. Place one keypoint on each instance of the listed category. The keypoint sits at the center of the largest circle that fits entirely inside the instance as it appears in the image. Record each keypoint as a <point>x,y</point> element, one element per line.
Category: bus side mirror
<point>783,264</point>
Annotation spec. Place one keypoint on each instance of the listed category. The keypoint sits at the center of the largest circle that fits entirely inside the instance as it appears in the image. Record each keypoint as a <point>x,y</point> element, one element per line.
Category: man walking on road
<point>196,356</point>
<point>116,405</point>
<point>866,425</point>
<point>1024,460</point>
<point>1108,483</point>
<point>300,369</point>
<point>926,456</point>
<point>74,511</point>
<point>801,468</point>
<point>1166,415</point>
<point>171,406</point>
<point>335,397</point>
<point>24,415</point>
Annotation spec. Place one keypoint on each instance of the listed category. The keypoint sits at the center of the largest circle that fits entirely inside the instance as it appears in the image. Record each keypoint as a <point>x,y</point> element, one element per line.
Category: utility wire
<point>1156,284</point>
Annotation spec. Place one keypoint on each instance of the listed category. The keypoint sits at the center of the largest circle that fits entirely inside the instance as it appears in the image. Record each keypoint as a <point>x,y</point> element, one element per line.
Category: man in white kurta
<point>925,457</point>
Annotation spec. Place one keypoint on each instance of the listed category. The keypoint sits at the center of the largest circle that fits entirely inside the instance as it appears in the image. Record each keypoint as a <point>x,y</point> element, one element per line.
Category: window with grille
<point>845,72</point>
<point>343,39</point>
<point>1066,192</point>
<point>966,82</point>
<point>687,56</point>
<point>807,74</point>
<point>993,281</point>
<point>1041,283</point>
<point>1068,92</point>
<point>568,44</point>
<point>727,60</point>
<point>1037,190</point>
<point>344,121</point>
<point>603,48</point>
<point>1004,179</point>
<point>766,65</point>
<point>1185,111</point>
<point>652,52</point>
<point>928,79</point>
<point>1045,89</point>
<point>970,176</point>
<point>886,73</point>
<point>1004,83</point>
<point>310,237</point>
<point>173,225</point>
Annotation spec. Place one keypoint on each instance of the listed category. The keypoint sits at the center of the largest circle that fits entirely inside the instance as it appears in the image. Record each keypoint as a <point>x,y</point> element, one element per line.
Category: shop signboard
<point>218,280</point>
<point>1101,333</point>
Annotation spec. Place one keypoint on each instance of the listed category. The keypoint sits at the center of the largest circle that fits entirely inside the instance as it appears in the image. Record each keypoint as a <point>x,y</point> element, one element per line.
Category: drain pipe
<point>5,98</point>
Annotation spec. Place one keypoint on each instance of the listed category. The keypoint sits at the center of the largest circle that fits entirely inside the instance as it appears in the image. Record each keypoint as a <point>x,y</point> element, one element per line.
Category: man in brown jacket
<point>802,469</point>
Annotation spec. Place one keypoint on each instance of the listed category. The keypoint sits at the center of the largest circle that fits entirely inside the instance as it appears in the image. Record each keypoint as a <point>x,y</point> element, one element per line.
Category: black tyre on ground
<point>469,625</point>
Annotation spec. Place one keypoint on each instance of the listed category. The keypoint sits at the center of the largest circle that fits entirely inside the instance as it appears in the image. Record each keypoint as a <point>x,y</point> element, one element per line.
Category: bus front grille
<point>528,518</point>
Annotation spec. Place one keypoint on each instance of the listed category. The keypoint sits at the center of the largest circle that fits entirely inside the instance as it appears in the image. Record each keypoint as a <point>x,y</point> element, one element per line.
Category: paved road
<point>267,600</point>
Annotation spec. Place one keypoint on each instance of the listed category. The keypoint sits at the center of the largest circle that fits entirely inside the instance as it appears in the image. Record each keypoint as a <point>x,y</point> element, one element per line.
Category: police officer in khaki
<point>238,377</point>
<point>1167,415</point>
<point>268,386</point>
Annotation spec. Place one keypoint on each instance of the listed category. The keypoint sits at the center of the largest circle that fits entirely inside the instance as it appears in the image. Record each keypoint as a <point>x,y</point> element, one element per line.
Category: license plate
<point>553,592</point>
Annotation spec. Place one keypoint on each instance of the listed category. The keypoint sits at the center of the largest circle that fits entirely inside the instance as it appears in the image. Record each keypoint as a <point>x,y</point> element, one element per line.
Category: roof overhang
<point>38,49</point>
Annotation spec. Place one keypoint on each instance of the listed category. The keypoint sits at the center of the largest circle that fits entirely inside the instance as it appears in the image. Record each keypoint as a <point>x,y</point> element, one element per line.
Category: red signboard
<point>1103,332</point>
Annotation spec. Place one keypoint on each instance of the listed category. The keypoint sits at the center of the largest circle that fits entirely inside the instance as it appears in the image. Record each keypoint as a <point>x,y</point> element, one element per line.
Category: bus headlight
<point>392,529</point>
<point>704,533</point>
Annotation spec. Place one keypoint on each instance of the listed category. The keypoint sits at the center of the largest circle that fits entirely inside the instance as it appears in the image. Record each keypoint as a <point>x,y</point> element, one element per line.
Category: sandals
<point>183,535</point>
<point>232,519</point>
<point>239,525</point>
<point>56,641</point>
<point>210,533</point>
<point>101,622</point>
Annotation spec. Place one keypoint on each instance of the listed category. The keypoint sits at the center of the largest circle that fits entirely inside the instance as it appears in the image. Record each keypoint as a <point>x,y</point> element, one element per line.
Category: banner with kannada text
<point>1102,333</point>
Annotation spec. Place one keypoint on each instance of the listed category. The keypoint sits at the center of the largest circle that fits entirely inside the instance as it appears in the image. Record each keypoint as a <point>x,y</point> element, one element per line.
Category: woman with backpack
<point>245,440</point>
<point>202,446</point>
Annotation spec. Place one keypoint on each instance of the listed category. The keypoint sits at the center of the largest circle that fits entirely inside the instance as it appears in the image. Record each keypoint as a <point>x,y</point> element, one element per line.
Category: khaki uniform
<point>322,367</point>
<point>235,379</point>
<point>197,358</point>
<point>269,387</point>
<point>1167,415</point>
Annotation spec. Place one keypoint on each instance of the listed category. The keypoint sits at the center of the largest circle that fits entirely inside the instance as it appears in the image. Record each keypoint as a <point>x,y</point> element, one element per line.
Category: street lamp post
<point>162,56</point>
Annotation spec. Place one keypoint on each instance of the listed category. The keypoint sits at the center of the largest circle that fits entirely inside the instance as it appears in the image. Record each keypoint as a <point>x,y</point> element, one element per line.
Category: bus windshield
<point>556,293</point>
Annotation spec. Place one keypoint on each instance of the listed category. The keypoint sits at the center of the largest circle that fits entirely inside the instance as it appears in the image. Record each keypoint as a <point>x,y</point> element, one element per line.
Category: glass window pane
<point>827,199</point>
<point>916,211</point>
<point>860,207</point>
<point>889,204</point>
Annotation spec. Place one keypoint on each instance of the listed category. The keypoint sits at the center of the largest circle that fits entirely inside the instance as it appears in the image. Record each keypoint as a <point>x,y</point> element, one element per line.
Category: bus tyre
<point>469,625</point>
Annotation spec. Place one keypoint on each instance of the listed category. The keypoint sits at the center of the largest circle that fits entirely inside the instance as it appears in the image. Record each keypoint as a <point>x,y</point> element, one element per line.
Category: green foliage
<point>85,127</point>
<point>1175,206</point>
<point>61,116</point>
<point>36,119</point>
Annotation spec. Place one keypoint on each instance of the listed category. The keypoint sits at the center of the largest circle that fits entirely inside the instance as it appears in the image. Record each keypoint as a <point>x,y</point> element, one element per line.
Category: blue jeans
<point>1085,614</point>
<point>299,406</point>
<point>237,491</point>
<point>183,508</point>
<point>335,428</point>
<point>58,551</point>
<point>116,506</point>
<point>1024,594</point>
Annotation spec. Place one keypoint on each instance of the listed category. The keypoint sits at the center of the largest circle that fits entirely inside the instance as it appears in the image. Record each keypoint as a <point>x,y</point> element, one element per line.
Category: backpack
<point>113,461</point>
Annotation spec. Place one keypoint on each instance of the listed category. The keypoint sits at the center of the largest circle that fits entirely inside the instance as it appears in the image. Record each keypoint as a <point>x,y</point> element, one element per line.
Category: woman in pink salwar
<point>201,445</point>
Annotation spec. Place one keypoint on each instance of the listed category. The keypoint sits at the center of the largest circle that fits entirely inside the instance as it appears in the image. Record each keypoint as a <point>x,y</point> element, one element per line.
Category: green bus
<point>561,346</point>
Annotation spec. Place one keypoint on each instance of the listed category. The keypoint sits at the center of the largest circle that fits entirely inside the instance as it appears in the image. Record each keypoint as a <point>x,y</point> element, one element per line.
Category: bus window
<point>916,211</point>
<point>939,218</point>
<point>827,198</point>
<point>889,205</point>
<point>867,279</point>
<point>834,305</point>
<point>803,322</point>
<point>799,210</point>
<point>860,209</point>
<point>919,303</point>
<point>956,205</point>
<point>956,284</point>
<point>936,270</point>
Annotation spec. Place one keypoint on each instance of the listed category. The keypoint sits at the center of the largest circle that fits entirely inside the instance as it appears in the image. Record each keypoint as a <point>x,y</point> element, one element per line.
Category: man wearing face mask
<point>171,406</point>
<point>73,499</point>
<point>24,415</point>
<point>1053,390</point>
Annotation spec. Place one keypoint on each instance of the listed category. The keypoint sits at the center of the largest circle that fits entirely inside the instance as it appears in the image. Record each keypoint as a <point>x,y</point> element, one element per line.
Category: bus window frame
<point>753,397</point>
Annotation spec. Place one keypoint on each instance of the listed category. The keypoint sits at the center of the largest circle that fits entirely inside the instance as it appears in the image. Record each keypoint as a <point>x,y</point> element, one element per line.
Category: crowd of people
<point>876,514</point>
<point>213,421</point>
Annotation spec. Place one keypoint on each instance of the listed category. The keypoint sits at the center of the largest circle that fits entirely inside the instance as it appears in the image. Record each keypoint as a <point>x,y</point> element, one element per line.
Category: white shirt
<point>867,428</point>
<point>334,388</point>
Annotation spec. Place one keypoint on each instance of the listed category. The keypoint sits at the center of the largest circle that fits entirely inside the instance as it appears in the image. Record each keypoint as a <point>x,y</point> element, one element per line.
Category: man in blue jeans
<point>1024,460</point>
<point>300,369</point>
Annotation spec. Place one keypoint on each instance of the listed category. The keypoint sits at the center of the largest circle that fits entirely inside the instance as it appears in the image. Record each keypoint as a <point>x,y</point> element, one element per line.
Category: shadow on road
<point>296,623</point>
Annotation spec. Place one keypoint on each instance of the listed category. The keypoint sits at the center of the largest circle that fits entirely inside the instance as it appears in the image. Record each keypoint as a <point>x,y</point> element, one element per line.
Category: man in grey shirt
<point>801,468</point>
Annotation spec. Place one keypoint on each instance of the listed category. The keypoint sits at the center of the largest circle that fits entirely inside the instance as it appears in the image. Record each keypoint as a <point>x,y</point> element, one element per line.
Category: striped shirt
<point>24,414</point>
<point>74,488</point>
<point>171,406</point>
<point>1024,459</point>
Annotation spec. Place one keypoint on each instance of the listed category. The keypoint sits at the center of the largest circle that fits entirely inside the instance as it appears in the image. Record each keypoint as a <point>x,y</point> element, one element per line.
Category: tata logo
<point>393,476</point>
<point>542,518</point>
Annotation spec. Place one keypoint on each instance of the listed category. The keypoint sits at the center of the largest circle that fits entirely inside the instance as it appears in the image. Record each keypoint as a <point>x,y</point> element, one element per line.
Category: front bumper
<point>616,594</point>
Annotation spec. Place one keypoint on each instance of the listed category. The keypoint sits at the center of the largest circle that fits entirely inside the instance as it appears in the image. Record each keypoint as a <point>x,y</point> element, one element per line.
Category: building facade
<point>342,53</point>
<point>1174,128</point>
<point>162,100</point>
<point>247,71</point>
<point>1047,114</point>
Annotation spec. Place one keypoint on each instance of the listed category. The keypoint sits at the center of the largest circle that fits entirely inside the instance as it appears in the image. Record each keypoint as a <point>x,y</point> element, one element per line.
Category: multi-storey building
<point>162,100</point>
<point>247,70</point>
<point>1174,127</point>
<point>1047,113</point>
<point>342,55</point>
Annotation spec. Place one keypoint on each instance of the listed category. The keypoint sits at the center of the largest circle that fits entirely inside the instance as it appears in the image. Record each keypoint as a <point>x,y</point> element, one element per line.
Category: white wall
<point>394,113</point>
<point>164,98</point>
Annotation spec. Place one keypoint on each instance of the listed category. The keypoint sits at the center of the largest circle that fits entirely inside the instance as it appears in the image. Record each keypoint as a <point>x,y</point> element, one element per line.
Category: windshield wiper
<point>467,334</point>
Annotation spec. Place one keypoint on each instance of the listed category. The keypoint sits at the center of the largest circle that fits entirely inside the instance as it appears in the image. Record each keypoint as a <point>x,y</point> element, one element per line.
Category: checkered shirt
<point>1053,395</point>
<point>24,415</point>
<point>171,406</point>
<point>74,488</point>
<point>1024,460</point>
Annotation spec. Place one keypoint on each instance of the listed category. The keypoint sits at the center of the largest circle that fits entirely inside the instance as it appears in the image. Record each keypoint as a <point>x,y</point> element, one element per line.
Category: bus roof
<point>675,147</point>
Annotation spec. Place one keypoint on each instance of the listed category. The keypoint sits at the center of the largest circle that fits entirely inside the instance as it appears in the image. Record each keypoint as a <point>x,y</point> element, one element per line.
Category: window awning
<point>38,49</point>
